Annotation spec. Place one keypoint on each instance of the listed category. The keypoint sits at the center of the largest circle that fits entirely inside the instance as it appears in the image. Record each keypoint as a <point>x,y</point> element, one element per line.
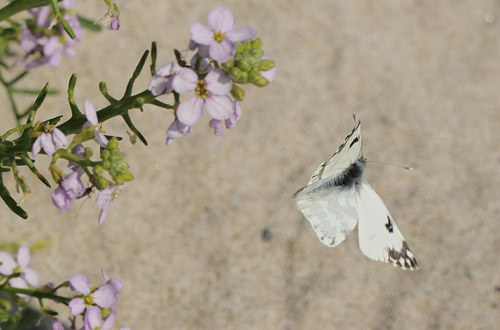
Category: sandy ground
<point>186,236</point>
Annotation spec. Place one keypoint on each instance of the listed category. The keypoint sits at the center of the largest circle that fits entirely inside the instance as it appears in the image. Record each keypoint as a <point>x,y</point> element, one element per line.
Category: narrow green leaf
<point>11,203</point>
<point>127,119</point>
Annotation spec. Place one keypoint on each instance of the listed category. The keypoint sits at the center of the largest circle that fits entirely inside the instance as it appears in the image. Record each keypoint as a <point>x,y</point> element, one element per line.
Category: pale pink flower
<point>161,82</point>
<point>104,297</point>
<point>93,319</point>
<point>71,187</point>
<point>211,91</point>
<point>105,198</point>
<point>114,282</point>
<point>92,120</point>
<point>222,37</point>
<point>176,130</point>
<point>50,141</point>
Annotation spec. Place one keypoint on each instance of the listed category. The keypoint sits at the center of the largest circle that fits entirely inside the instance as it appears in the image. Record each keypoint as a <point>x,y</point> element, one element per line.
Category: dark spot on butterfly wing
<point>353,142</point>
<point>403,258</point>
<point>388,225</point>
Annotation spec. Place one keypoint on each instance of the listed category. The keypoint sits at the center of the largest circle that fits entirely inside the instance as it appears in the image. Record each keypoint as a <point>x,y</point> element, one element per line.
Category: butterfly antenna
<point>391,164</point>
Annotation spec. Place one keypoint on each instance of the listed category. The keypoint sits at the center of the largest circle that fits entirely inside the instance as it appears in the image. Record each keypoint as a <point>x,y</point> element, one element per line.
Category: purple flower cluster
<point>211,85</point>
<point>70,186</point>
<point>47,44</point>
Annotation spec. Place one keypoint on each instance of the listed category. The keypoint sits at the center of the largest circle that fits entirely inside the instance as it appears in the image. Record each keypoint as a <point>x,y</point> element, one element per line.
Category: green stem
<point>36,293</point>
<point>20,5</point>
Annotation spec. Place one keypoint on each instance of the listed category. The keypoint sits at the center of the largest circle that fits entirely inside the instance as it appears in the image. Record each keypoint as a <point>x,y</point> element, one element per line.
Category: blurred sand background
<point>185,237</point>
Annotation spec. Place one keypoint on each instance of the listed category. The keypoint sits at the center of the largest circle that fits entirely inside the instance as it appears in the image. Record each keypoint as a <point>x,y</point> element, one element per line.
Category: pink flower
<point>93,319</point>
<point>222,37</point>
<point>70,188</point>
<point>176,130</point>
<point>104,297</point>
<point>161,82</point>
<point>8,266</point>
<point>211,91</point>
<point>230,122</point>
<point>105,198</point>
<point>50,140</point>
<point>92,120</point>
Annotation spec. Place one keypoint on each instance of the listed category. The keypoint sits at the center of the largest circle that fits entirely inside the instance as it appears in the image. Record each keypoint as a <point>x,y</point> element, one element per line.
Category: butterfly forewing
<point>346,154</point>
<point>379,237</point>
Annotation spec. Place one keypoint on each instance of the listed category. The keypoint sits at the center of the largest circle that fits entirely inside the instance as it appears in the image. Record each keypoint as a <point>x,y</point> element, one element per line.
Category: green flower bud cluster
<point>247,65</point>
<point>113,162</point>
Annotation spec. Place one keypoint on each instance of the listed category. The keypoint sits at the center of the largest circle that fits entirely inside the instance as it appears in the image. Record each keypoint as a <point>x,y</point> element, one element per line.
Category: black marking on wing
<point>347,178</point>
<point>388,225</point>
<point>404,258</point>
<point>346,139</point>
<point>353,141</point>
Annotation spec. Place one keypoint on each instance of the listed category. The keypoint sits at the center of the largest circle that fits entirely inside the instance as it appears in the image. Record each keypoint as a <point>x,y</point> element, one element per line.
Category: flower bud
<point>85,135</point>
<point>101,183</point>
<point>57,173</point>
<point>235,74</point>
<point>98,169</point>
<point>265,65</point>
<point>238,93</point>
<point>244,65</point>
<point>113,143</point>
<point>257,44</point>
<point>128,176</point>
<point>88,153</point>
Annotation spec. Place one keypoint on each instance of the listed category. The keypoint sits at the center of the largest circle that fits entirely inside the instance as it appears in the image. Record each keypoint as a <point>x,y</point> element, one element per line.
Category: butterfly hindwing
<point>333,213</point>
<point>379,237</point>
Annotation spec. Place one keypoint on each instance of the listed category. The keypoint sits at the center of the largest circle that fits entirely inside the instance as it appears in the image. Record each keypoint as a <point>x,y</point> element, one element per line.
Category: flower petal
<point>201,34</point>
<point>57,325</point>
<point>221,19</point>
<point>108,323</point>
<point>105,296</point>
<point>103,214</point>
<point>222,51</point>
<point>241,34</point>
<point>59,138</point>
<point>92,318</point>
<point>235,117</point>
<point>47,144</point>
<point>157,85</point>
<point>100,138</point>
<point>77,306</point>
<point>185,81</point>
<point>23,256</point>
<point>60,199</point>
<point>219,107</point>
<point>31,276</point>
<point>72,185</point>
<point>190,110</point>
<point>7,263</point>
<point>37,146</point>
<point>216,125</point>
<point>218,83</point>
<point>80,283</point>
<point>90,112</point>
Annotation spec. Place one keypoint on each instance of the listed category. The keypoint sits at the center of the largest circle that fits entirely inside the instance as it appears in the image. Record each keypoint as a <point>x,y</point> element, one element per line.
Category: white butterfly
<point>337,197</point>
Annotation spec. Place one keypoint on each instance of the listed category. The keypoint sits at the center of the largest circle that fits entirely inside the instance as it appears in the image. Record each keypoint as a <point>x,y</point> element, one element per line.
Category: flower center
<point>88,300</point>
<point>219,36</point>
<point>116,193</point>
<point>201,90</point>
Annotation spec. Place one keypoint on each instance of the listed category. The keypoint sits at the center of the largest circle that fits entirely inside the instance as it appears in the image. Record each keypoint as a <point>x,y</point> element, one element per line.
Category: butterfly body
<point>337,198</point>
